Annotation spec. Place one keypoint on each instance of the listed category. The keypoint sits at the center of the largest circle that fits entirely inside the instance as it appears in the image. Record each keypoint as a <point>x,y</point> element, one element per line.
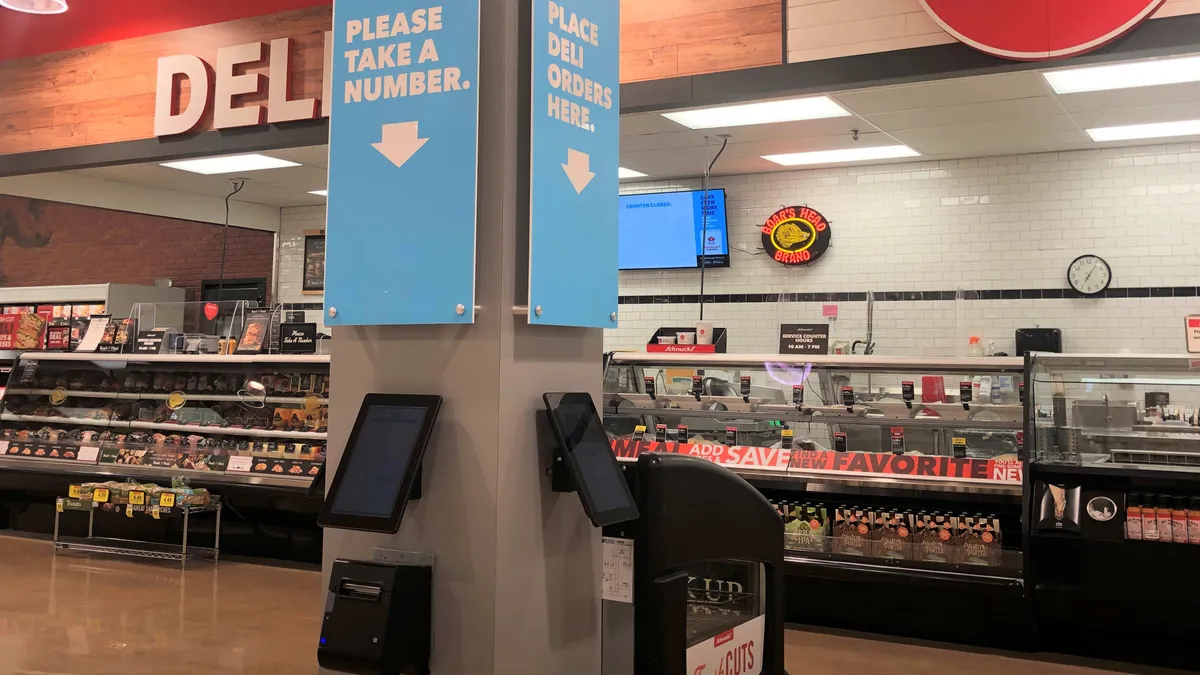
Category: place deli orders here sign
<point>828,461</point>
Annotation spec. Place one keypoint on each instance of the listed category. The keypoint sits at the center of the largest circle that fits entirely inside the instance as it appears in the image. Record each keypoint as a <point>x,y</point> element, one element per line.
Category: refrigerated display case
<point>250,428</point>
<point>1114,505</point>
<point>898,479</point>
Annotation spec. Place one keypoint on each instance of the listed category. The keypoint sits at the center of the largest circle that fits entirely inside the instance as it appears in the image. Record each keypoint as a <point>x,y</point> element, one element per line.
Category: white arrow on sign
<point>578,169</point>
<point>400,142</point>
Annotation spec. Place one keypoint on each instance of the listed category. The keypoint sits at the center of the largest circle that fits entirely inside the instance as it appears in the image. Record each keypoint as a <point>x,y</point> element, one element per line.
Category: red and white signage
<point>1037,30</point>
<point>682,349</point>
<point>1192,326</point>
<point>932,467</point>
<point>737,651</point>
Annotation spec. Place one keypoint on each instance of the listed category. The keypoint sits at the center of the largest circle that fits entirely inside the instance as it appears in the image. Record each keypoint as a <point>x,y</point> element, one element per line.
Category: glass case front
<point>891,461</point>
<point>217,414</point>
<point>1121,411</point>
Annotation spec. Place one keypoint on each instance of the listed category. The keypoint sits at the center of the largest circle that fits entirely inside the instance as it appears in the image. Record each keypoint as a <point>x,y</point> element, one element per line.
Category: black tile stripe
<point>899,296</point>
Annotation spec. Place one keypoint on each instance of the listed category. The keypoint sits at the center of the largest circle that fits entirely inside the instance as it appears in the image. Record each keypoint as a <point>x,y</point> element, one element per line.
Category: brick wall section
<point>95,246</point>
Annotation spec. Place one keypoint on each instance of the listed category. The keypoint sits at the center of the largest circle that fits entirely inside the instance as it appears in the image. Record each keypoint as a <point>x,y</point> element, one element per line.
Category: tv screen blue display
<point>664,230</point>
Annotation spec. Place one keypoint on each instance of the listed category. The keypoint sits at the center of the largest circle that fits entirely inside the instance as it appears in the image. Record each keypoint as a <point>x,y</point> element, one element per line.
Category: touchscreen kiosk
<point>589,458</point>
<point>381,463</point>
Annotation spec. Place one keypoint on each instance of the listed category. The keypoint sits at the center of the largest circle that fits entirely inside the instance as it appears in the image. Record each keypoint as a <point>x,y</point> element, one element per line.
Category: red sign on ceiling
<point>1037,30</point>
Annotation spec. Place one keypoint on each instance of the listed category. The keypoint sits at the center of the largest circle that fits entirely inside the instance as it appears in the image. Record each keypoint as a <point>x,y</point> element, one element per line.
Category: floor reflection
<point>81,615</point>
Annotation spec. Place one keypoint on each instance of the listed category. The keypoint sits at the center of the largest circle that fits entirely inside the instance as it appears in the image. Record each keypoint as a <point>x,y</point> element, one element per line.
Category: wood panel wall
<point>669,38</point>
<point>827,29</point>
<point>105,93</point>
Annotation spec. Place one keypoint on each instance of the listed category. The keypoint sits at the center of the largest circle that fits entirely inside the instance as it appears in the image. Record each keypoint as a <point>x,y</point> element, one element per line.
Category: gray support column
<point>516,579</point>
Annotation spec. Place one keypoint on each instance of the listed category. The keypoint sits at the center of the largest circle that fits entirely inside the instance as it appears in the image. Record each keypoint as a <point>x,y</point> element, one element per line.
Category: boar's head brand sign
<point>1037,30</point>
<point>796,235</point>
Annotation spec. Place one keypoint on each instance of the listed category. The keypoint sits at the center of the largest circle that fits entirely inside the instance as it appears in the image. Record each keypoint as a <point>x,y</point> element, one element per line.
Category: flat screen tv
<point>664,230</point>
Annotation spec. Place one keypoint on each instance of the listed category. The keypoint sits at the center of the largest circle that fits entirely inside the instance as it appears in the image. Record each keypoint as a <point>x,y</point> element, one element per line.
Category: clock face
<point>1089,274</point>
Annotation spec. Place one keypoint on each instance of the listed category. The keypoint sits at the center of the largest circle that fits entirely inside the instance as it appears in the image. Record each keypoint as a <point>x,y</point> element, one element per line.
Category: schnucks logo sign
<point>1036,30</point>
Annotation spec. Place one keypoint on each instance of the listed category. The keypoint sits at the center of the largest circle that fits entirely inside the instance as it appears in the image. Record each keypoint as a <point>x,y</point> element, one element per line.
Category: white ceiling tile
<point>944,93</point>
<point>1123,98</point>
<point>965,114</point>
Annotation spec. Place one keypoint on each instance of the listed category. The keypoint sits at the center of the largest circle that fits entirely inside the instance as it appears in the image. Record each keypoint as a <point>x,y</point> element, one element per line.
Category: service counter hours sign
<point>1036,30</point>
<point>403,140</point>
<point>575,135</point>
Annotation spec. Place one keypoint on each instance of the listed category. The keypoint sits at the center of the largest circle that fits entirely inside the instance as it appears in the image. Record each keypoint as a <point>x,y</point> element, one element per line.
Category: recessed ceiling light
<point>764,112</point>
<point>1131,132</point>
<point>36,6</point>
<point>622,172</point>
<point>1124,75</point>
<point>211,166</point>
<point>845,155</point>
<point>319,193</point>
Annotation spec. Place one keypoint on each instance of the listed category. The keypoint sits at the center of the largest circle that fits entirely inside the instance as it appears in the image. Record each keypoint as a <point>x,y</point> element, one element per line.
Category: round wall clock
<point>1089,274</point>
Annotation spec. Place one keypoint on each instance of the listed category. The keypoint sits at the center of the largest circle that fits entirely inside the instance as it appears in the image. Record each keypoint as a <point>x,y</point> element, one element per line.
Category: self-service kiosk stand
<point>695,513</point>
<point>684,515</point>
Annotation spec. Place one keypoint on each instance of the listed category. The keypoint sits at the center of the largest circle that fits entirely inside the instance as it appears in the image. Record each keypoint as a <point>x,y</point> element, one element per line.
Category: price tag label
<point>129,510</point>
<point>88,453</point>
<point>58,396</point>
<point>239,464</point>
<point>58,504</point>
<point>166,500</point>
<point>154,513</point>
<point>137,498</point>
<point>73,492</point>
<point>100,495</point>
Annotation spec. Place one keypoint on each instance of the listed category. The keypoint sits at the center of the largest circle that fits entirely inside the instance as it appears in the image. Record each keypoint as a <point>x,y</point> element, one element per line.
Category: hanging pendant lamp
<point>36,6</point>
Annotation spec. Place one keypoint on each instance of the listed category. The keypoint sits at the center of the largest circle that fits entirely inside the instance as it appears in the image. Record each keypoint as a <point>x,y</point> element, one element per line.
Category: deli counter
<point>898,479</point>
<point>249,428</point>
<point>1114,505</point>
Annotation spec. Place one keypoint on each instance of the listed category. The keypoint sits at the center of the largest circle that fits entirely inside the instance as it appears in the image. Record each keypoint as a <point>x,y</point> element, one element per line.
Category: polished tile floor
<point>71,615</point>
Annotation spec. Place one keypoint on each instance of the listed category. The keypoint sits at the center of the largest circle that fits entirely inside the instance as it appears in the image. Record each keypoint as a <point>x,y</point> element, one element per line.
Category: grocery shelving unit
<point>134,548</point>
<point>73,417</point>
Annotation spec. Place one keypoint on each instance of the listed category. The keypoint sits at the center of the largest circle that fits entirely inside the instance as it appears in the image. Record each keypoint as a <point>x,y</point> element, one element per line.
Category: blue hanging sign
<point>575,138</point>
<point>403,142</point>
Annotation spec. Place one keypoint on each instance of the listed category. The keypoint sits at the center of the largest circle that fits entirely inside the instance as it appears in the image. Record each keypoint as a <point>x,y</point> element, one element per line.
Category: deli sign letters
<point>217,87</point>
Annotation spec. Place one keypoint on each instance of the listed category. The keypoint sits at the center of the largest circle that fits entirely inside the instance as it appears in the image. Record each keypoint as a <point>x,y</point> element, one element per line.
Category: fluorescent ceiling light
<point>765,112</point>
<point>36,6</point>
<point>622,172</point>
<point>319,193</point>
<point>1130,132</point>
<point>211,166</point>
<point>845,155</point>
<point>1124,75</point>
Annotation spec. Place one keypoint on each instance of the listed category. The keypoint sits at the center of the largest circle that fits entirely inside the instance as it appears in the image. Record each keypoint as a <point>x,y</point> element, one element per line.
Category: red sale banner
<point>827,461</point>
<point>1035,30</point>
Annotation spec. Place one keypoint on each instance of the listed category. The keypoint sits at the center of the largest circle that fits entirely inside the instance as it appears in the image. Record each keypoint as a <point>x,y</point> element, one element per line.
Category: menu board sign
<point>804,338</point>
<point>149,341</point>
<point>298,338</point>
<point>314,262</point>
<point>22,331</point>
<point>254,335</point>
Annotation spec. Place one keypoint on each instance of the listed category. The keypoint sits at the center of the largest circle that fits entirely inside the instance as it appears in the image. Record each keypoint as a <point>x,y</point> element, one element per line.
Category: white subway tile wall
<point>1012,222</point>
<point>292,224</point>
<point>992,223</point>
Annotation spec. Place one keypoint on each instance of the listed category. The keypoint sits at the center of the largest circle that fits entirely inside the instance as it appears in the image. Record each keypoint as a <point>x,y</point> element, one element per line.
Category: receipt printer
<point>377,619</point>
